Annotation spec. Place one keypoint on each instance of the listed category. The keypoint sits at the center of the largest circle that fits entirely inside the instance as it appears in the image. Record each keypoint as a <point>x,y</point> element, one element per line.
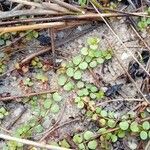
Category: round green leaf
<point>70,72</point>
<point>77,75</point>
<point>143,135</point>
<point>94,47</point>
<point>1,116</point>
<point>85,91</point>
<point>77,99</point>
<point>146,125</point>
<point>93,95</point>
<point>80,84</point>
<point>57,97</point>
<point>55,108</point>
<point>88,59</point>
<point>88,135</point>
<point>69,86</point>
<point>124,125</point>
<point>111,123</point>
<point>93,64</point>
<point>81,146</point>
<point>103,113</point>
<point>80,104</point>
<point>47,103</point>
<point>97,53</point>
<point>62,80</point>
<point>100,60</point>
<point>77,138</point>
<point>93,89</point>
<point>77,59</point>
<point>108,56</point>
<point>83,65</point>
<point>80,93</point>
<point>114,138</point>
<point>92,144</point>
<point>102,122</point>
<point>121,134</point>
<point>2,42</point>
<point>134,127</point>
<point>84,51</point>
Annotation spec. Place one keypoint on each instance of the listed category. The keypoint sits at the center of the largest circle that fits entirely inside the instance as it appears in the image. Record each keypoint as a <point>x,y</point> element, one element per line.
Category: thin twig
<point>116,100</point>
<point>26,95</point>
<point>32,143</point>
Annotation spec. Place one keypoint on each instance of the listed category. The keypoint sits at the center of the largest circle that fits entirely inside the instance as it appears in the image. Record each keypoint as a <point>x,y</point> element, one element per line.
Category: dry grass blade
<point>32,143</point>
<point>31,27</point>
<point>9,14</point>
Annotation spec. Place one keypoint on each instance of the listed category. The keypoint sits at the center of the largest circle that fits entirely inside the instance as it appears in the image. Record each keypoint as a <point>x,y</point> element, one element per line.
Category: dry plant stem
<point>26,95</point>
<point>116,100</point>
<point>57,127</point>
<point>68,6</point>
<point>32,143</point>
<point>120,40</point>
<point>16,13</point>
<point>32,27</point>
<point>88,16</point>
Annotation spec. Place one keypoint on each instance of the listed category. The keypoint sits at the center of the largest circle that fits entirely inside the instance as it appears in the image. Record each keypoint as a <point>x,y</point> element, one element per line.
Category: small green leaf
<point>134,127</point>
<point>111,123</point>
<point>38,128</point>
<point>55,108</point>
<point>47,103</point>
<point>146,125</point>
<point>77,75</point>
<point>92,144</point>
<point>93,95</point>
<point>64,143</point>
<point>114,138</point>
<point>143,135</point>
<point>84,51</point>
<point>94,89</point>
<point>108,56</point>
<point>1,116</point>
<point>80,84</point>
<point>88,59</point>
<point>80,104</point>
<point>85,92</point>
<point>77,138</point>
<point>103,113</point>
<point>124,125</point>
<point>93,64</point>
<point>121,134</point>
<point>70,72</point>
<point>88,135</point>
<point>100,60</point>
<point>102,122</point>
<point>81,146</point>
<point>77,59</point>
<point>94,47</point>
<point>69,86</point>
<point>77,99</point>
<point>57,97</point>
<point>83,65</point>
<point>62,80</point>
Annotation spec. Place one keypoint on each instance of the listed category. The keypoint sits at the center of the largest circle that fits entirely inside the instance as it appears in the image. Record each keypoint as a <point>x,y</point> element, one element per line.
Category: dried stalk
<point>32,143</point>
<point>68,6</point>
<point>31,27</point>
<point>26,95</point>
<point>28,12</point>
<point>88,16</point>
